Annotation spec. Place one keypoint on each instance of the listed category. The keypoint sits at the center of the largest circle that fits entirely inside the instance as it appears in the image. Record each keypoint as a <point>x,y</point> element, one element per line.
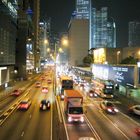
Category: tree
<point>129,60</point>
<point>88,59</point>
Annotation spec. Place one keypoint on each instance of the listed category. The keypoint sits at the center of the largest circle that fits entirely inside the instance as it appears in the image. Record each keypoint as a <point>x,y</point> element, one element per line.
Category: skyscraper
<point>101,32</point>
<point>83,9</point>
<point>36,18</point>
<point>134,34</point>
<point>8,28</point>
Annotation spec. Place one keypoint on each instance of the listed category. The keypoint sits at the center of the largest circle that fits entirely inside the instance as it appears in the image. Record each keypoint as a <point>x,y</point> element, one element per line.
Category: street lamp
<point>138,55</point>
<point>48,50</point>
<point>46,41</point>
<point>114,32</point>
<point>64,42</point>
<point>118,54</point>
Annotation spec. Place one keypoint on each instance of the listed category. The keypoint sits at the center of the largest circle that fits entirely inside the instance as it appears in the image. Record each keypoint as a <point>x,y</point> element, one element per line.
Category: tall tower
<point>36,18</point>
<point>134,34</point>
<point>83,9</point>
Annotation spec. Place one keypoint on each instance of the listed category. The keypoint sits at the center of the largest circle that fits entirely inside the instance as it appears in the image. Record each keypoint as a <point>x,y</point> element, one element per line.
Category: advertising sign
<point>122,75</point>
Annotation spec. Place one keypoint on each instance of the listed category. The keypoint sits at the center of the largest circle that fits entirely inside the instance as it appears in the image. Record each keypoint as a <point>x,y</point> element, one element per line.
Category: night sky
<point>122,11</point>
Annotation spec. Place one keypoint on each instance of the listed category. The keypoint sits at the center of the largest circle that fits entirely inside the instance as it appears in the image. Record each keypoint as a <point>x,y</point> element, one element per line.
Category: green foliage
<point>88,59</point>
<point>129,60</point>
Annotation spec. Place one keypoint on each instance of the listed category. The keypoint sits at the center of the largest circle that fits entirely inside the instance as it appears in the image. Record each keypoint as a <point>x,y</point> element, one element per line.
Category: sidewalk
<point>16,85</point>
<point>127,101</point>
<point>5,92</point>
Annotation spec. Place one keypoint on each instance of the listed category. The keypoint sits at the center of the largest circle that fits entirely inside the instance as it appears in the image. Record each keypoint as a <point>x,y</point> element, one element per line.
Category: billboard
<point>122,75</point>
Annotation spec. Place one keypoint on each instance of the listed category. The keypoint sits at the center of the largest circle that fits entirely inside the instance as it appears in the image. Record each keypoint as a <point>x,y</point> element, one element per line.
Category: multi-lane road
<point>34,124</point>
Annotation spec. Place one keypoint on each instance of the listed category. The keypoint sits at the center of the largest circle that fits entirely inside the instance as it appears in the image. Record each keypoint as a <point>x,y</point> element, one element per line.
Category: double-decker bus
<point>65,83</point>
<point>104,88</point>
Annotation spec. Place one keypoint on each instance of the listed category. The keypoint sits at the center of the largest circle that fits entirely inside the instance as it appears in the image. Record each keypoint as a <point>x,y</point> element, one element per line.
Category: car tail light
<point>48,104</point>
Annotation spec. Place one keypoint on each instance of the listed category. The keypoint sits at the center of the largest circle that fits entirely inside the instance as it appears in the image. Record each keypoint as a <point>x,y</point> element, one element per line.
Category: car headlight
<point>95,94</point>
<point>69,119</point>
<point>62,96</point>
<point>82,119</point>
<point>90,94</point>
<point>116,110</point>
<point>109,110</point>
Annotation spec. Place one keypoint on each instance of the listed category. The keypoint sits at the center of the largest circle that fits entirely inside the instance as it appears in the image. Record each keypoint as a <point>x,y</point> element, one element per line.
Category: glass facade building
<point>83,9</point>
<point>8,18</point>
<point>101,32</point>
<point>134,34</point>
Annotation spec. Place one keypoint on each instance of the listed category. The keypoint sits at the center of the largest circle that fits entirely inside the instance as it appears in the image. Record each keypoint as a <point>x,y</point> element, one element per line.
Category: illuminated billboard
<point>122,75</point>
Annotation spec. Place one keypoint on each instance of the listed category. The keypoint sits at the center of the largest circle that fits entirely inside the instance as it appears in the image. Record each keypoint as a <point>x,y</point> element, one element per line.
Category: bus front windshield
<point>75,110</point>
<point>108,89</point>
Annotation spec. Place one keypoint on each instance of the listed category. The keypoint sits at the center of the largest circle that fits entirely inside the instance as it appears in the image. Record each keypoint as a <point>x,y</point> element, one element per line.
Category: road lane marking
<point>5,114</point>
<point>30,116</point>
<point>130,118</point>
<point>12,107</point>
<point>59,114</point>
<point>22,134</point>
<point>116,127</point>
<point>92,128</point>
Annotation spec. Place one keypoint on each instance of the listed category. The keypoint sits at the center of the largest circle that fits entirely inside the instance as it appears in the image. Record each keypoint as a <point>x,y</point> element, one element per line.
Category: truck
<point>66,83</point>
<point>73,106</point>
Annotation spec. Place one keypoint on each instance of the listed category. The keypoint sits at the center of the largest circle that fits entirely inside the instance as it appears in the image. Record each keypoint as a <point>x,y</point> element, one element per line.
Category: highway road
<point>30,124</point>
<point>52,124</point>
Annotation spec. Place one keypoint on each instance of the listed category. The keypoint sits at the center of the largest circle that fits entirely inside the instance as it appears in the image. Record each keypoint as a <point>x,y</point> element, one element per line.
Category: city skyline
<point>60,17</point>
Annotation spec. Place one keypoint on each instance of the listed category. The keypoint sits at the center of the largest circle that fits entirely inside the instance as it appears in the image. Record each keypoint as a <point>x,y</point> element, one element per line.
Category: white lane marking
<point>12,107</point>
<point>30,116</point>
<point>5,114</point>
<point>116,127</point>
<point>59,115</point>
<point>130,119</point>
<point>92,128</point>
<point>22,134</point>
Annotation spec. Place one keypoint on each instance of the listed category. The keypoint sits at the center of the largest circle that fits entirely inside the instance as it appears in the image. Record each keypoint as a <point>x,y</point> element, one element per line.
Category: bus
<point>66,83</point>
<point>104,88</point>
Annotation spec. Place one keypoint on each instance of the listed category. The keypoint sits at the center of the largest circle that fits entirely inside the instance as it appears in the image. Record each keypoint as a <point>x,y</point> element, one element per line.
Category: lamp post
<point>114,33</point>
<point>118,56</point>
<point>55,46</point>
<point>63,42</point>
<point>138,55</point>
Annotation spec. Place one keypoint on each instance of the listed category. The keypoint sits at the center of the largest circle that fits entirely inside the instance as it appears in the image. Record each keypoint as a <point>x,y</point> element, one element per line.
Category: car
<point>38,85</point>
<point>16,92</point>
<point>109,107</point>
<point>42,78</point>
<point>135,109</point>
<point>24,104</point>
<point>45,89</point>
<point>49,81</point>
<point>45,104</point>
<point>62,96</point>
<point>137,131</point>
<point>92,93</point>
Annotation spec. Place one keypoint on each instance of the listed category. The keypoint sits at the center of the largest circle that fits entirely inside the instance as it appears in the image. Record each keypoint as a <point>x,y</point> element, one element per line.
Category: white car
<point>135,109</point>
<point>109,107</point>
